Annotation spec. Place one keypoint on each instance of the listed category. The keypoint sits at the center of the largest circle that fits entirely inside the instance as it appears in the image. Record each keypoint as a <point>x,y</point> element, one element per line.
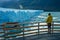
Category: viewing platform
<point>29,31</point>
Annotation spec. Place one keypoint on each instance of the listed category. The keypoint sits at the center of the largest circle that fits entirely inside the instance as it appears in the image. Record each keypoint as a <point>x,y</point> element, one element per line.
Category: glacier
<point>17,15</point>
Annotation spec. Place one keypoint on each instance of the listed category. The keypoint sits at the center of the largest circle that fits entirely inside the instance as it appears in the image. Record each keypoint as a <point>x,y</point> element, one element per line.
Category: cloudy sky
<point>31,4</point>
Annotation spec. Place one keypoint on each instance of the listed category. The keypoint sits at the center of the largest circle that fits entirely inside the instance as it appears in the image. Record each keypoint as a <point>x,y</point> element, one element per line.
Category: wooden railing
<point>13,30</point>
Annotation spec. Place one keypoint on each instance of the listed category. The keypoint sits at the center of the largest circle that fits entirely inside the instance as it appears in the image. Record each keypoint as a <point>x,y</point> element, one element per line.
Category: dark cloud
<point>52,5</point>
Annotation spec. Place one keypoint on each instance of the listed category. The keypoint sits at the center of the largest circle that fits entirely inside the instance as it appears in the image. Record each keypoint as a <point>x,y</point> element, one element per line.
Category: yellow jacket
<point>49,19</point>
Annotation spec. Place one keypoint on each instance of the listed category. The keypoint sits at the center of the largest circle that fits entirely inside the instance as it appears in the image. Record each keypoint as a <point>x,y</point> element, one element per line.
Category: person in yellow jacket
<point>49,21</point>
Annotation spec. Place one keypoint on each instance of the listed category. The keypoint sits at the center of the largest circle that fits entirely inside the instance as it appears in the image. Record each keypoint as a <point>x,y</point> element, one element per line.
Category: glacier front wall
<point>17,15</point>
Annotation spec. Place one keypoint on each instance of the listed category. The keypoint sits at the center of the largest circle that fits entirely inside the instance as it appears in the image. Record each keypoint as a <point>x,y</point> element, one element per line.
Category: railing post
<point>38,29</point>
<point>23,33</point>
<point>52,26</point>
<point>4,32</point>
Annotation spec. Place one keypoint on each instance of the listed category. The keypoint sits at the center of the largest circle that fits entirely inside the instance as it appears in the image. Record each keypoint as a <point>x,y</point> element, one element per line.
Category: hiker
<point>49,21</point>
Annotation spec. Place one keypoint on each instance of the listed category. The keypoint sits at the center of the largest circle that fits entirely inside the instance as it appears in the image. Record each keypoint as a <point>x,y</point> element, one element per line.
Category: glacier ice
<point>14,15</point>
